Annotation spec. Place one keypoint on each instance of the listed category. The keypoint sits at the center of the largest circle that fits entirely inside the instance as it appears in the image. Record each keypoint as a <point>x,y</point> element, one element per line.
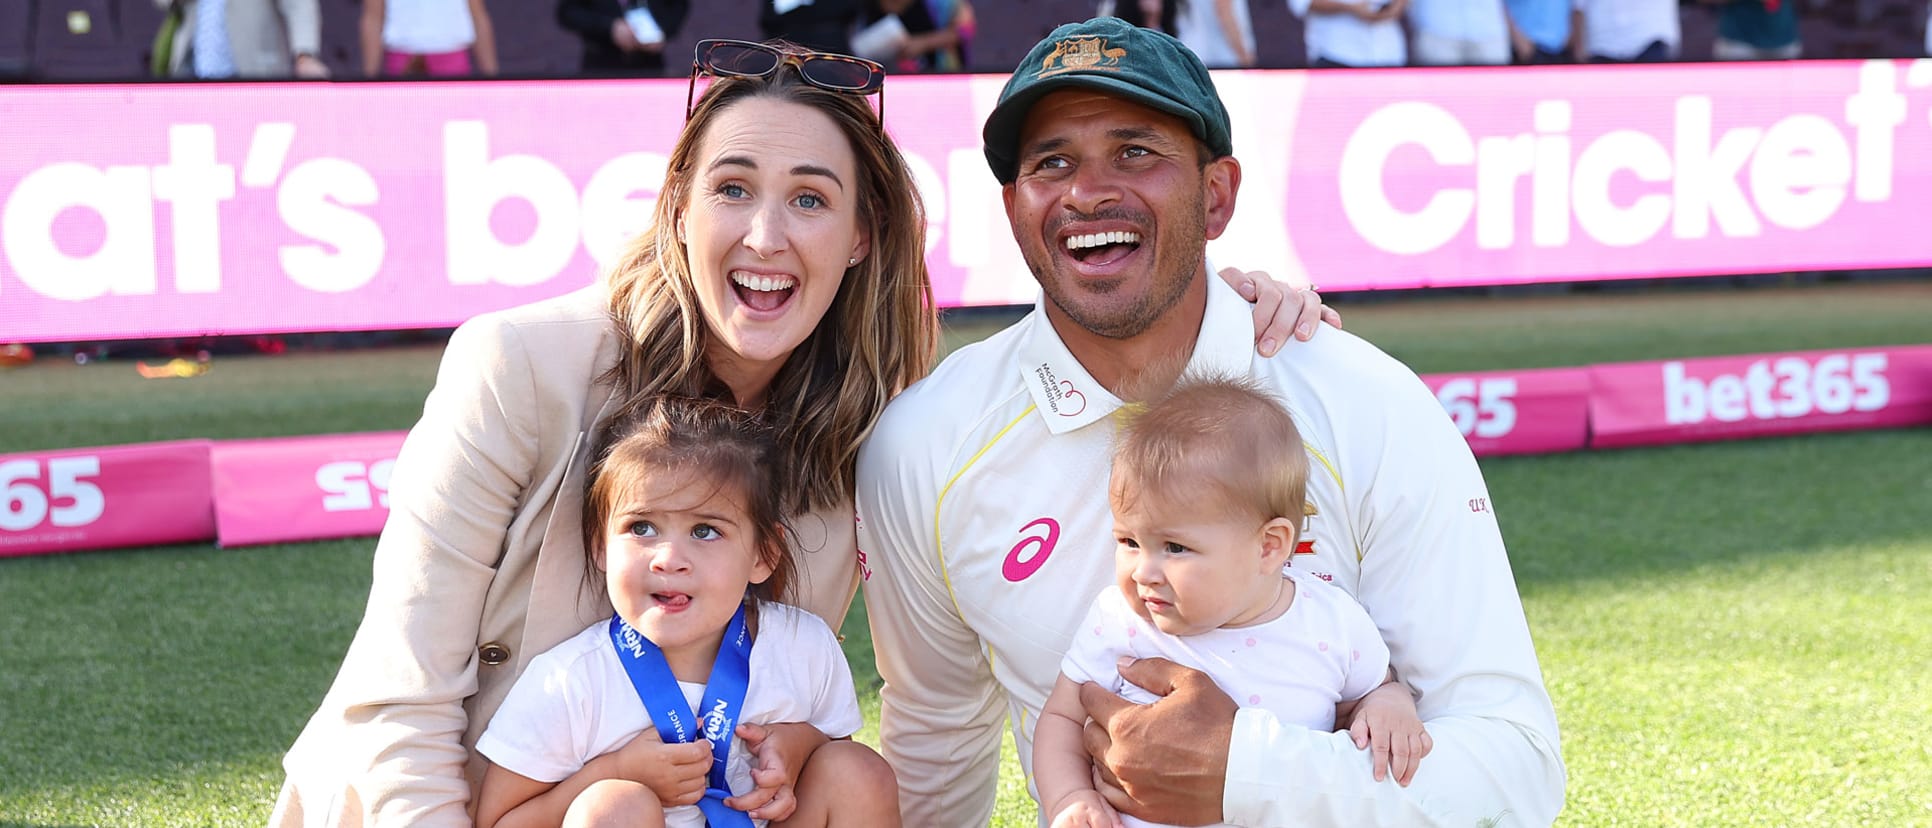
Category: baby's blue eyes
<point>642,529</point>
<point>1167,548</point>
<point>705,531</point>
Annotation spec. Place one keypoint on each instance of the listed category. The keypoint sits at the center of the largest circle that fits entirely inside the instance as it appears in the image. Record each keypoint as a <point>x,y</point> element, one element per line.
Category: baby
<point>1208,492</point>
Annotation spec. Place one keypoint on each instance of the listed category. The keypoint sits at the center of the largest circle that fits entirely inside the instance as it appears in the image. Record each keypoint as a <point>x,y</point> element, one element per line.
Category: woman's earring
<point>852,262</point>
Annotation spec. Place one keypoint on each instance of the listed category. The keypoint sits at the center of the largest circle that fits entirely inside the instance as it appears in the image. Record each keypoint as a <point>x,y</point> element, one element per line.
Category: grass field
<point>1734,634</point>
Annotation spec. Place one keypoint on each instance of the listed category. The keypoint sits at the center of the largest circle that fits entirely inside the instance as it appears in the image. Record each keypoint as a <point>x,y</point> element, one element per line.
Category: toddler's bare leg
<point>615,803</point>
<point>845,783</point>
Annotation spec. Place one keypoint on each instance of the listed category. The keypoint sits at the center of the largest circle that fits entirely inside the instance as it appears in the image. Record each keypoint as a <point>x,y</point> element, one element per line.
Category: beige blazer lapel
<point>560,580</point>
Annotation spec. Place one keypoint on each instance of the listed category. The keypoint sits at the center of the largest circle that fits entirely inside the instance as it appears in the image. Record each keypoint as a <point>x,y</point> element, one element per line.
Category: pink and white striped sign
<point>162,210</point>
<point>102,498</point>
<point>302,488</point>
<point>1517,412</point>
<point>1760,395</point>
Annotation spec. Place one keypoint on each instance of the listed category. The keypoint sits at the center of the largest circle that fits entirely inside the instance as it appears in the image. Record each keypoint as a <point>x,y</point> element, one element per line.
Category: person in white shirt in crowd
<point>983,522</point>
<point>1625,31</point>
<point>1208,494</point>
<point>433,38</point>
<point>1219,31</point>
<point>220,39</point>
<point>1458,33</point>
<point>1344,33</point>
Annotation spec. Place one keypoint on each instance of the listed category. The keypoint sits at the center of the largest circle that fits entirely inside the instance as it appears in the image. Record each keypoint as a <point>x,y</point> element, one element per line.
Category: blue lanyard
<point>724,700</point>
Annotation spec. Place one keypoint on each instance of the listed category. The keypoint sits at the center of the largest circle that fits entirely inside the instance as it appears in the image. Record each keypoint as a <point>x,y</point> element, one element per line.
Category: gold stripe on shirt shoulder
<point>938,543</point>
<point>1334,475</point>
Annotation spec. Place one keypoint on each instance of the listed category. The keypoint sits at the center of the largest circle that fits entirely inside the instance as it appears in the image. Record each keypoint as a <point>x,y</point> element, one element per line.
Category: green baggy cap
<point>1106,54</point>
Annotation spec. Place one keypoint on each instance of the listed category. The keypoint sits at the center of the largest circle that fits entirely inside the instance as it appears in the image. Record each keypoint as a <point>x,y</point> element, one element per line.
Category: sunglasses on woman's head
<point>744,59</point>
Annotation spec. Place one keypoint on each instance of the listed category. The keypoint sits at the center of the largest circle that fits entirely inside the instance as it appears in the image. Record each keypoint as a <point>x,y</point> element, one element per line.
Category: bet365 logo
<point>1792,386</point>
<point>67,500</point>
<point>1484,409</point>
<point>351,485</point>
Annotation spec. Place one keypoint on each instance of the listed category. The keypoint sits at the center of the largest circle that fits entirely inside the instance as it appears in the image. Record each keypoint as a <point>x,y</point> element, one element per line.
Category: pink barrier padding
<point>102,498</point>
<point>1761,395</point>
<point>302,488</point>
<point>1517,412</point>
<point>165,210</point>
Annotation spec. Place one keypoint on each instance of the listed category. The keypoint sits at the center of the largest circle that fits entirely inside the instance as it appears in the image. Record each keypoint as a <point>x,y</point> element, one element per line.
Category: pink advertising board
<point>245,492</point>
<point>1517,412</point>
<point>1434,177</point>
<point>162,210</point>
<point>101,498</point>
<point>302,488</point>
<point>1760,395</point>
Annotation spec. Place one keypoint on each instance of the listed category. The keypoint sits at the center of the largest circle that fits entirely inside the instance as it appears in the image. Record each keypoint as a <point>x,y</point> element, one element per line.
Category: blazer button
<point>493,653</point>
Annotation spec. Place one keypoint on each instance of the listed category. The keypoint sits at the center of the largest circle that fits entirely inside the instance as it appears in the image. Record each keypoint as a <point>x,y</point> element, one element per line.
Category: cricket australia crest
<point>1081,53</point>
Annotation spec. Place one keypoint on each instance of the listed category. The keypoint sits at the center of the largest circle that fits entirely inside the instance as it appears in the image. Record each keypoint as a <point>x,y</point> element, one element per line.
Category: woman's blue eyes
<point>809,201</point>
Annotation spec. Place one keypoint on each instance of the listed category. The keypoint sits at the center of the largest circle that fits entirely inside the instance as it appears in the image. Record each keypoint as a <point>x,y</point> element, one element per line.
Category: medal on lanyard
<point>724,699</point>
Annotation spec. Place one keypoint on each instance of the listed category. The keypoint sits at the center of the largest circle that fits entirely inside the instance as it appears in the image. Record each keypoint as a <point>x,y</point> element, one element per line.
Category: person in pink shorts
<point>434,38</point>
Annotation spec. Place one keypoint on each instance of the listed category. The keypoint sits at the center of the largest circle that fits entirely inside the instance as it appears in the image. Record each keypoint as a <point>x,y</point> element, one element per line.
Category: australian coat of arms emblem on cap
<point>1081,53</point>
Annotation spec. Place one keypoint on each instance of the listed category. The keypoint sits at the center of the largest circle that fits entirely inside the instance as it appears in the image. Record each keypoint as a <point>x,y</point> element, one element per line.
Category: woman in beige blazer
<point>481,565</point>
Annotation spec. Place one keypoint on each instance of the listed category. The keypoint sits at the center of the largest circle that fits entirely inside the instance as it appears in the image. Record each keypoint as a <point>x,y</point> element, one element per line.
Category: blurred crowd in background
<point>120,40</point>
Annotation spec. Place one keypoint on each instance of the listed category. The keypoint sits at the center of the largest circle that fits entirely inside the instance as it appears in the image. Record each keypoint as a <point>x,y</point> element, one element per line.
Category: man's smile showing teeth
<point>1102,249</point>
<point>1091,240</point>
<point>753,281</point>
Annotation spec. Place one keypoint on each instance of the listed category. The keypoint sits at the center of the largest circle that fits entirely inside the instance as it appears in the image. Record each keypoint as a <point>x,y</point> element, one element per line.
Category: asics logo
<point>1027,556</point>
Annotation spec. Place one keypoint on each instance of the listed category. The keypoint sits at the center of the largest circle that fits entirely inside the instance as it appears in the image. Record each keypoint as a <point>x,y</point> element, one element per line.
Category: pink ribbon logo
<point>1067,393</point>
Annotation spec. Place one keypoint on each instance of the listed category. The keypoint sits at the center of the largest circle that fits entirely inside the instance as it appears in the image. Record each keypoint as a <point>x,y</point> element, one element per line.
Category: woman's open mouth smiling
<point>761,292</point>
